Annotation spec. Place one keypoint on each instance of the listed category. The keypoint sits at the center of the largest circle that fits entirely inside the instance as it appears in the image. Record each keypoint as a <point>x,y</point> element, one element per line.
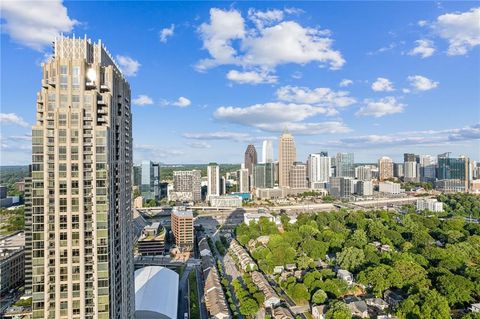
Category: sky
<point>209,78</point>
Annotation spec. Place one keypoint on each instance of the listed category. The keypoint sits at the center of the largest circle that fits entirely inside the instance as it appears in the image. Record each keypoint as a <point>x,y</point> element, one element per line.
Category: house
<point>320,264</point>
<point>385,248</point>
<point>358,309</point>
<point>318,312</point>
<point>246,262</point>
<point>278,269</point>
<point>281,313</point>
<point>394,297</point>
<point>475,307</point>
<point>345,275</point>
<point>387,317</point>
<point>263,240</point>
<point>204,248</point>
<point>298,274</point>
<point>378,303</point>
<point>271,297</point>
<point>290,266</point>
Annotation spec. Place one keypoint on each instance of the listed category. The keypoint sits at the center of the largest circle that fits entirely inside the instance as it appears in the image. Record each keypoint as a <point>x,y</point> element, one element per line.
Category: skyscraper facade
<point>264,175</point>
<point>80,214</point>
<point>385,168</point>
<point>287,155</point>
<point>363,173</point>
<point>298,175</point>
<point>213,180</point>
<point>267,151</point>
<point>150,180</point>
<point>345,165</point>
<point>243,180</point>
<point>454,168</point>
<point>188,182</point>
<point>250,158</point>
<point>319,165</point>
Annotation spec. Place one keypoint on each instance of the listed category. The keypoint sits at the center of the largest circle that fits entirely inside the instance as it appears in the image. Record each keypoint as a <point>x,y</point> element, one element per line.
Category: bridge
<point>164,261</point>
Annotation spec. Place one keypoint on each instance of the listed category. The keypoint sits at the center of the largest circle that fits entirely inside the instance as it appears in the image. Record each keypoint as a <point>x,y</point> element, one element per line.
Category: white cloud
<point>424,48</point>
<point>381,107</point>
<point>12,118</point>
<point>142,100</point>
<point>220,135</point>
<point>422,23</point>
<point>128,65</point>
<point>182,102</point>
<point>345,82</point>
<point>199,144</point>
<point>251,77</point>
<point>421,83</point>
<point>265,18</point>
<point>382,85</point>
<point>263,46</point>
<point>331,127</point>
<point>35,23</point>
<point>461,30</point>
<point>166,33</point>
<point>319,96</point>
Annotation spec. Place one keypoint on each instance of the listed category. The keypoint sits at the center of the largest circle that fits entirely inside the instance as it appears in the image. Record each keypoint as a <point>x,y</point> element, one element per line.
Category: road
<point>201,299</point>
<point>183,296</point>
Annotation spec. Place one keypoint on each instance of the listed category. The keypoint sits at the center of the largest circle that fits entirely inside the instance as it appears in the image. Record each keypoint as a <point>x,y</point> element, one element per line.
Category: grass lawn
<point>192,281</point>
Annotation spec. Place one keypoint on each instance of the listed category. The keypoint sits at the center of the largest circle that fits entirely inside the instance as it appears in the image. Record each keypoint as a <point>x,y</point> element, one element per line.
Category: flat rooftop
<point>183,213</point>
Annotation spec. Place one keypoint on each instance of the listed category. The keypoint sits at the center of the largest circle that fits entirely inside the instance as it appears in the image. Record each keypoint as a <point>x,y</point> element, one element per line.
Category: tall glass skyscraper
<point>79,216</point>
<point>345,165</point>
<point>150,180</point>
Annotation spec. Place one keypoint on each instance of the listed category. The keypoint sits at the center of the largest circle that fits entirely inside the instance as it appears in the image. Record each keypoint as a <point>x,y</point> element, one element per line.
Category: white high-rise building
<point>410,171</point>
<point>267,151</point>
<point>213,180</point>
<point>318,168</point>
<point>243,180</point>
<point>287,155</point>
<point>79,255</point>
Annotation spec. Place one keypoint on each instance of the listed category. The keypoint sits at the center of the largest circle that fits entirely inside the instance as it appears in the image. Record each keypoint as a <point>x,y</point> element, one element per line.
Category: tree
<point>455,288</point>
<point>304,262</point>
<point>427,304</point>
<point>351,258</point>
<point>338,310</point>
<point>334,287</point>
<point>319,297</point>
<point>248,307</point>
<point>298,292</point>
<point>358,239</point>
<point>378,277</point>
<point>314,248</point>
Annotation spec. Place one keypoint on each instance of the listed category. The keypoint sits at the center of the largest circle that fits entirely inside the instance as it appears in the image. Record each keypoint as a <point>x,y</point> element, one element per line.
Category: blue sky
<point>208,78</point>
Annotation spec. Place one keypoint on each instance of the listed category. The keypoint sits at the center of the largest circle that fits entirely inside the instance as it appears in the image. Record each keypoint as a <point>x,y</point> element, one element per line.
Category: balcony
<point>104,88</point>
<point>44,83</point>
<point>52,82</point>
<point>90,85</point>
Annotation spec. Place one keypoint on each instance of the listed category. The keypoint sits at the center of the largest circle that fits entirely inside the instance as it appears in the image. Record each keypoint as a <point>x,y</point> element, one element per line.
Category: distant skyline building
<point>267,151</point>
<point>298,175</point>
<point>188,182</point>
<point>385,168</point>
<point>213,180</point>
<point>79,216</point>
<point>264,175</point>
<point>250,158</point>
<point>410,172</point>
<point>363,173</point>
<point>319,168</point>
<point>450,168</point>
<point>243,181</point>
<point>287,155</point>
<point>150,180</point>
<point>345,165</point>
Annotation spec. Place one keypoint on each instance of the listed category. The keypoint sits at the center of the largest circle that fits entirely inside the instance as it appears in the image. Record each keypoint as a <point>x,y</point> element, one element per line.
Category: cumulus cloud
<point>199,144</point>
<point>265,18</point>
<point>421,83</point>
<point>35,24</point>
<point>149,151</point>
<point>142,100</point>
<point>381,107</point>
<point>345,82</point>
<point>460,29</point>
<point>182,102</point>
<point>128,65</point>
<point>382,85</point>
<point>271,42</point>
<point>251,77</point>
<point>424,48</point>
<point>12,118</point>
<point>319,96</point>
<point>329,127</point>
<point>220,135</point>
<point>166,33</point>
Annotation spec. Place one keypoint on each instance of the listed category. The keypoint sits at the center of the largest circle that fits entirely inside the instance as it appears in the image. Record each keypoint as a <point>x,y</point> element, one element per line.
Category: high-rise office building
<point>213,180</point>
<point>318,168</point>
<point>409,157</point>
<point>182,229</point>
<point>287,155</point>
<point>80,210</point>
<point>250,158</point>
<point>410,172</point>
<point>267,151</point>
<point>298,175</point>
<point>264,175</point>
<point>398,170</point>
<point>341,187</point>
<point>427,168</point>
<point>363,173</point>
<point>150,180</point>
<point>243,180</point>
<point>188,182</point>
<point>454,168</point>
<point>385,168</point>
<point>345,165</point>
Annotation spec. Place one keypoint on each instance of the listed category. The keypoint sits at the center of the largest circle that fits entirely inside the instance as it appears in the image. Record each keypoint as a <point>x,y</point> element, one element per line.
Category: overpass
<point>164,261</point>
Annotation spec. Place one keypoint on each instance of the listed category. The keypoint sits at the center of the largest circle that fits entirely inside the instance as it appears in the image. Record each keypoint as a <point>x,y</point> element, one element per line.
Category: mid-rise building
<point>250,158</point>
<point>12,262</point>
<point>287,155</point>
<point>385,168</point>
<point>80,211</point>
<point>389,188</point>
<point>182,228</point>
<point>298,176</point>
<point>189,182</point>
<point>431,204</point>
<point>267,151</point>
<point>244,180</point>
<point>255,217</point>
<point>398,170</point>
<point>341,187</point>
<point>318,166</point>
<point>232,201</point>
<point>454,168</point>
<point>345,166</point>
<point>410,172</point>
<point>363,173</point>
<point>264,175</point>
<point>213,180</point>
<point>364,188</point>
<point>152,240</point>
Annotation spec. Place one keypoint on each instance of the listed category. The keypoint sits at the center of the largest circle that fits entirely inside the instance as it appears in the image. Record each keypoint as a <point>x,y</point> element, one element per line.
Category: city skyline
<point>376,96</point>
